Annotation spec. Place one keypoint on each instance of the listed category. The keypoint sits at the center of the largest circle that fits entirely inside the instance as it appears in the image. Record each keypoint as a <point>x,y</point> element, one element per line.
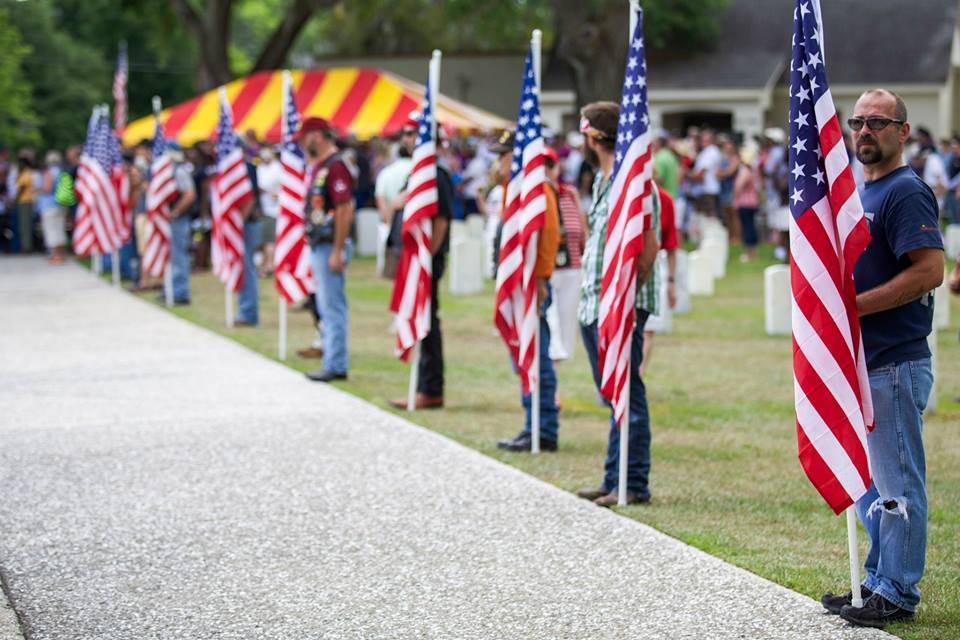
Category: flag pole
<point>168,285</point>
<point>115,267</point>
<point>96,264</point>
<point>433,74</point>
<point>228,305</point>
<point>856,600</point>
<point>282,338</point>
<point>535,47</point>
<point>625,420</point>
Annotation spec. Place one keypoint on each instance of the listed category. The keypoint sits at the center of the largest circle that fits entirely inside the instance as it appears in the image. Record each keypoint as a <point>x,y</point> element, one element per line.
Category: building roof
<point>866,42</point>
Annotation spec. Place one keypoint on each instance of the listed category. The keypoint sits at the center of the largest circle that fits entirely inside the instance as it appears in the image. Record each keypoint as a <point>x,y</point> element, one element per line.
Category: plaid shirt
<point>592,260</point>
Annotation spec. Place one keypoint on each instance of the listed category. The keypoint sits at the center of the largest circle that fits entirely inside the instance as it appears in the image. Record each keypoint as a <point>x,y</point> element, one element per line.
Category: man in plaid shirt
<point>599,127</point>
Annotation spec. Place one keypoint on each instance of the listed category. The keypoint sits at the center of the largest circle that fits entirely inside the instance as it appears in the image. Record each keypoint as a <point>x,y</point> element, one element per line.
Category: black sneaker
<point>876,612</point>
<point>833,603</point>
<point>523,442</point>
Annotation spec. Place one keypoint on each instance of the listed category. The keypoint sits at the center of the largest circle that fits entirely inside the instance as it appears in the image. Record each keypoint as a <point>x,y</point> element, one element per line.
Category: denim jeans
<point>548,383</point>
<point>248,301</point>
<point>894,509</point>
<point>332,306</point>
<point>180,257</point>
<point>638,448</point>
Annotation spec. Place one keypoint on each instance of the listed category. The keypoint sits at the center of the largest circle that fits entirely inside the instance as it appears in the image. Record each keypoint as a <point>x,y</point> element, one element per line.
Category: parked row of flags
<point>828,233</point>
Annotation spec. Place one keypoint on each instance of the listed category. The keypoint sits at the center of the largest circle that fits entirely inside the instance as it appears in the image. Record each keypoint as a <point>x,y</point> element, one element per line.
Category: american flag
<point>412,285</point>
<point>231,189</point>
<point>828,232</point>
<point>120,90</point>
<point>161,193</point>
<point>515,314</point>
<point>631,201</point>
<point>292,258</point>
<point>121,183</point>
<point>98,204</point>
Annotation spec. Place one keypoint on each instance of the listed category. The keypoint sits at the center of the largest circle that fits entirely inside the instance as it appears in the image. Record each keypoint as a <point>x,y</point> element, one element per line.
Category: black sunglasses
<point>874,124</point>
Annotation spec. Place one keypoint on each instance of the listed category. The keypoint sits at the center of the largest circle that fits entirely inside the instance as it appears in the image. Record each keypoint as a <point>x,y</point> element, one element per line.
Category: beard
<point>869,152</point>
<point>591,157</point>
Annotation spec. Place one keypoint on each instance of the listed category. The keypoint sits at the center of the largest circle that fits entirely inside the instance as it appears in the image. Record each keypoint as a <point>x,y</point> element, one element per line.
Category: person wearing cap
<point>430,376</point>
<point>776,176</point>
<point>548,241</point>
<point>180,225</point>
<point>599,125</point>
<point>329,214</point>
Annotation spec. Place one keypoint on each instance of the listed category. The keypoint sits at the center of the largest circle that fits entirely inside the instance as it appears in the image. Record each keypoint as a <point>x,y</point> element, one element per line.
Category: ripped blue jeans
<point>894,510</point>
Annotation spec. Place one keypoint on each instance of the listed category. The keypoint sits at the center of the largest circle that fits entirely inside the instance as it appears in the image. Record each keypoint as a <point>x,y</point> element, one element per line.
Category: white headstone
<point>458,230</point>
<point>475,225</point>
<point>383,232</point>
<point>367,222</point>
<point>716,251</point>
<point>683,290</point>
<point>932,400</point>
<point>941,307</point>
<point>953,241</point>
<point>776,300</point>
<point>665,317</point>
<point>466,266</point>
<point>700,274</point>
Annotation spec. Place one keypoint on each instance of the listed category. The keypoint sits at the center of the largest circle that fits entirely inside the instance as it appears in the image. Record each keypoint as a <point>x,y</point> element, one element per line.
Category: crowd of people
<point>741,183</point>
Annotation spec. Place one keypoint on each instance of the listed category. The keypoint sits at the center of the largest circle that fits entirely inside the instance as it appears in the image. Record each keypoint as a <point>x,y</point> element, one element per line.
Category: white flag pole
<point>115,267</point>
<point>282,337</point>
<point>856,600</point>
<point>228,306</point>
<point>95,263</point>
<point>433,75</point>
<point>535,46</point>
<point>168,285</point>
<point>625,421</point>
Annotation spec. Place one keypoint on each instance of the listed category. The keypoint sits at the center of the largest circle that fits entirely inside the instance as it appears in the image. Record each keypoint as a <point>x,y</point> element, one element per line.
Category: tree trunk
<point>212,33</point>
<point>275,50</point>
<point>592,39</point>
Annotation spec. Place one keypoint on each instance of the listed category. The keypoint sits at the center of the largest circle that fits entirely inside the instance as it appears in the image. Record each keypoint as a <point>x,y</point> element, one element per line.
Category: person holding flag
<point>430,376</point>
<point>529,242</point>
<point>329,212</point>
<point>599,127</point>
<point>180,225</point>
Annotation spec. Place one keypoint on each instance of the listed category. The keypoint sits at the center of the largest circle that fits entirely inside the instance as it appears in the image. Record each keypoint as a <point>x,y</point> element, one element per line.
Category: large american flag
<point>231,189</point>
<point>828,232</point>
<point>120,90</point>
<point>631,201</point>
<point>292,270</point>
<point>98,204</point>
<point>161,193</point>
<point>412,285</point>
<point>516,313</point>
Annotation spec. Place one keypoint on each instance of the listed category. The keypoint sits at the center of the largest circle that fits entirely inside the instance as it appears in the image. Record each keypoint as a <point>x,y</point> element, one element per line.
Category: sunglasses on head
<point>874,124</point>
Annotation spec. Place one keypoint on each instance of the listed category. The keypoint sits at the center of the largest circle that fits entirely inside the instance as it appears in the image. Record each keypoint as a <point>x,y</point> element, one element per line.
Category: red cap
<point>412,121</point>
<point>551,155</point>
<point>314,124</point>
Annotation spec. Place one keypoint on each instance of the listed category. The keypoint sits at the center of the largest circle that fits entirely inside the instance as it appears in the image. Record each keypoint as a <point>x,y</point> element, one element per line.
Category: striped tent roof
<point>364,102</point>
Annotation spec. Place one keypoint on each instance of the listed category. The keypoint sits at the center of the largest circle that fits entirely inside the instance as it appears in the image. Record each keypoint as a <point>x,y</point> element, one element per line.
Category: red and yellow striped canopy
<point>364,102</point>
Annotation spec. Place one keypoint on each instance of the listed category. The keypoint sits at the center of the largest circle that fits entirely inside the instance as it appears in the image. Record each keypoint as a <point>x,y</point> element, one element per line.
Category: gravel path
<point>157,481</point>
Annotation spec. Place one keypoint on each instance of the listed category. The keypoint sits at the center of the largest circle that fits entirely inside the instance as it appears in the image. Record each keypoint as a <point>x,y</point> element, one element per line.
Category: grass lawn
<point>725,474</point>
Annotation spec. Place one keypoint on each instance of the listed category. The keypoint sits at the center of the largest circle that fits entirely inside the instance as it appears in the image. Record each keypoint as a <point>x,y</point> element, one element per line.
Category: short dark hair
<point>900,109</point>
<point>604,118</point>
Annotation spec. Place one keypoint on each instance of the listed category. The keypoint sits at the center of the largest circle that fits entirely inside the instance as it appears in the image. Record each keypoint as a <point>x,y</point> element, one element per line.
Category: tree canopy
<point>60,55</point>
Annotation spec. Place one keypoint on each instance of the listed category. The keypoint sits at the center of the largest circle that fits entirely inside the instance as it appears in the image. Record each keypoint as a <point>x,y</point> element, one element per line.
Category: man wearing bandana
<point>329,213</point>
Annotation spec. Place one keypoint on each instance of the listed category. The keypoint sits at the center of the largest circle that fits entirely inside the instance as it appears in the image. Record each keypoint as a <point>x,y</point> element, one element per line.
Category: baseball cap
<point>312,124</point>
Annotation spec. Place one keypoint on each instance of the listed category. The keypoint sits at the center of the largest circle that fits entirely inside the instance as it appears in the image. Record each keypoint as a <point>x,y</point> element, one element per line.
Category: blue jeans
<point>638,448</point>
<point>548,383</point>
<point>248,301</point>
<point>180,257</point>
<point>332,306</point>
<point>894,509</point>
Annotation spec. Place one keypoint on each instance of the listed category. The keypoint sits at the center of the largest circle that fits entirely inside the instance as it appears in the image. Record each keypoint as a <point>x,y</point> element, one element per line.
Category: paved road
<point>157,481</point>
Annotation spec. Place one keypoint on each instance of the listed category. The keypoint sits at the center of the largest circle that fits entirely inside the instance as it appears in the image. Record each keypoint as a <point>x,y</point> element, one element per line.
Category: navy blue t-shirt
<point>903,216</point>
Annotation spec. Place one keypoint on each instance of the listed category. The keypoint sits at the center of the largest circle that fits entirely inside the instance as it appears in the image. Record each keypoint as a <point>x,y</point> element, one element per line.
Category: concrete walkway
<point>158,481</point>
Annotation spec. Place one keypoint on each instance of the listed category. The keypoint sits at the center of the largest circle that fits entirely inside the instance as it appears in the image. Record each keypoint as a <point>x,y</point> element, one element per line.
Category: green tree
<point>18,122</point>
<point>67,77</point>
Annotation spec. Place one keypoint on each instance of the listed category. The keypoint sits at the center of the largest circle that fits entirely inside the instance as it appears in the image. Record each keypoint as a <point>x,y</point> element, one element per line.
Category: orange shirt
<point>549,240</point>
